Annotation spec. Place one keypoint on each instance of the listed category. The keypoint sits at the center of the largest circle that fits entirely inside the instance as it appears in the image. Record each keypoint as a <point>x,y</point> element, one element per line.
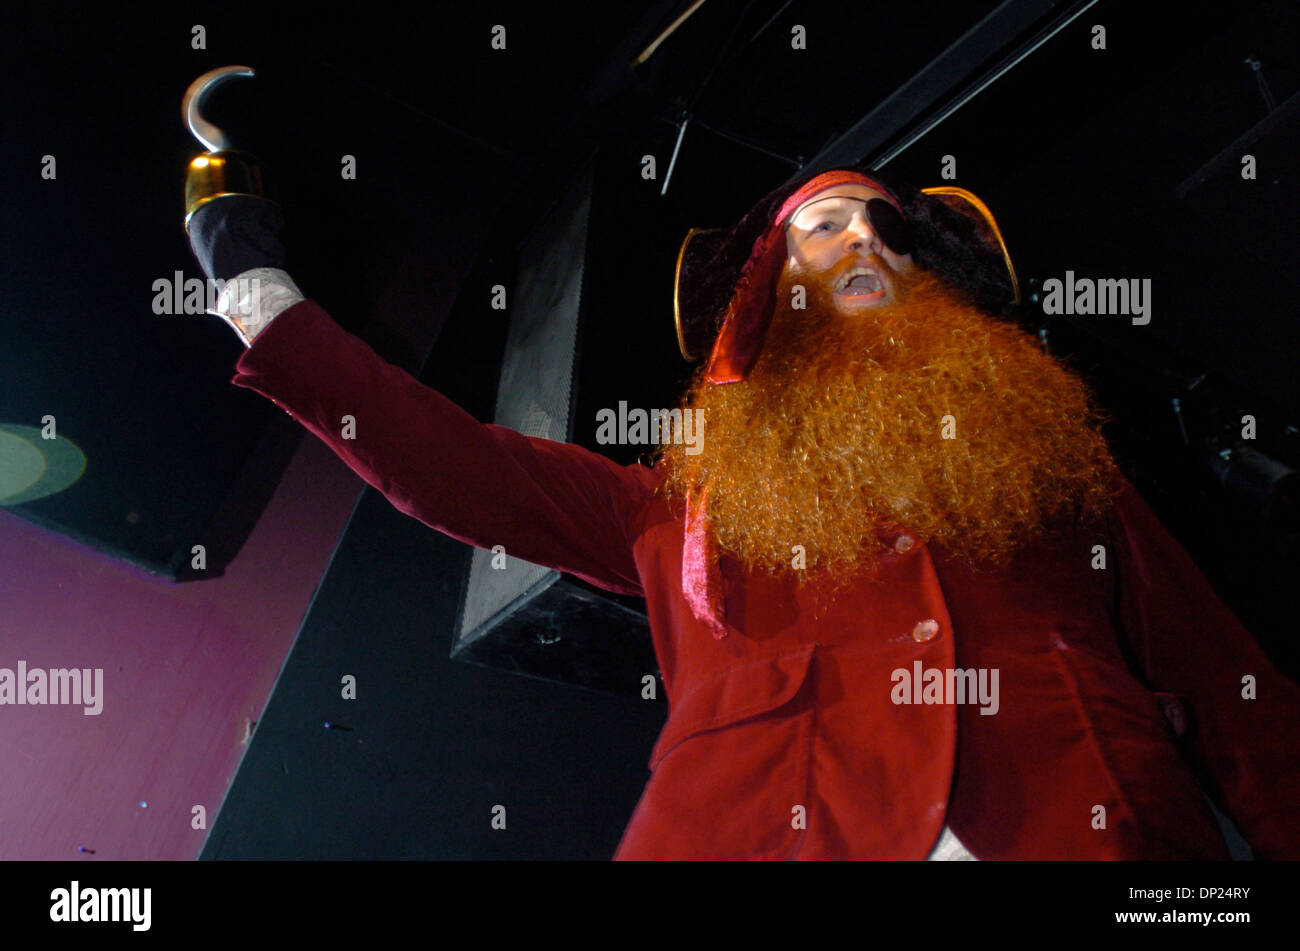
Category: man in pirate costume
<point>903,603</point>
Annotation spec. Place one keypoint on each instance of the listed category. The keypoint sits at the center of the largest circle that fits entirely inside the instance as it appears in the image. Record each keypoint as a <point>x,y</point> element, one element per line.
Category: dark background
<point>461,150</point>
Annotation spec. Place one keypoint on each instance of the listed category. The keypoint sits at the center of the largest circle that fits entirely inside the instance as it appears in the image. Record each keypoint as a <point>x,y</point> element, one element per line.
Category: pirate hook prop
<point>222,170</point>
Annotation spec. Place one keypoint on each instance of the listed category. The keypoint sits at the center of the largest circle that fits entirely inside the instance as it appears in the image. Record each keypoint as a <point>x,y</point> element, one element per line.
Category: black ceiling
<point>731,61</point>
<point>1084,154</point>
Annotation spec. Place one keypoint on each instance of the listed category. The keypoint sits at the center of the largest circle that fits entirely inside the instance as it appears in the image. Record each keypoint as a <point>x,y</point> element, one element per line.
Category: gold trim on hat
<point>987,215</point>
<point>677,288</point>
<point>953,190</point>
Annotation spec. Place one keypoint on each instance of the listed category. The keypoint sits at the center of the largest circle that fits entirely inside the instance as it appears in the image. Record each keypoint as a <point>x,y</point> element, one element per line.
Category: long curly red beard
<point>839,430</point>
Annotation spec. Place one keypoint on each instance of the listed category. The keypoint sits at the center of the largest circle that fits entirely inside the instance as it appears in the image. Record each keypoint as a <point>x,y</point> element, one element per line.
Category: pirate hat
<point>726,280</point>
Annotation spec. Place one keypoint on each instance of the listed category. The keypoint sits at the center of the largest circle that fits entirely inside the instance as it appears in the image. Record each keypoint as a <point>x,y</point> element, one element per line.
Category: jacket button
<point>925,630</point>
<point>903,543</point>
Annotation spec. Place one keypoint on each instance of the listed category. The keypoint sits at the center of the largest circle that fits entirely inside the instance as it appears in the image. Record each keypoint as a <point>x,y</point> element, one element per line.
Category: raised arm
<point>551,503</point>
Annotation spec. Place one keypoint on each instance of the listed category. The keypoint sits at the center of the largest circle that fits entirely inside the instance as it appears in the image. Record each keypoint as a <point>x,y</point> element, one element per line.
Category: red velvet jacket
<point>784,740</point>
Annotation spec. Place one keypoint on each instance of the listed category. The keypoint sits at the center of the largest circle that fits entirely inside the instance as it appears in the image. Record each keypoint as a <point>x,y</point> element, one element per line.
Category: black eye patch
<point>888,222</point>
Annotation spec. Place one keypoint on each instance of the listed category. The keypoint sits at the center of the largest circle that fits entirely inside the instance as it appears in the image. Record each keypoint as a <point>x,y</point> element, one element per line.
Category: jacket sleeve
<point>551,503</point>
<point>1239,713</point>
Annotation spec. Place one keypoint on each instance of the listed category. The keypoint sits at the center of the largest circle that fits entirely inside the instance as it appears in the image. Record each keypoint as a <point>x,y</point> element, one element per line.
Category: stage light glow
<point>32,467</point>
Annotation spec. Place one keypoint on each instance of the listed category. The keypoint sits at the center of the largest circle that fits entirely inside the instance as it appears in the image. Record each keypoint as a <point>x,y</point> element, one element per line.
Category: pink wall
<point>185,665</point>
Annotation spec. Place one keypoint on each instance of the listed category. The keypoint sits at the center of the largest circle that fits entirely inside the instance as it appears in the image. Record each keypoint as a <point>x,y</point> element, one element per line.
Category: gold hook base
<point>217,174</point>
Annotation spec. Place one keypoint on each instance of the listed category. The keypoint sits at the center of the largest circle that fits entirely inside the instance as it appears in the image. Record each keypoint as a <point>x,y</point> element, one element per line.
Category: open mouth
<point>861,282</point>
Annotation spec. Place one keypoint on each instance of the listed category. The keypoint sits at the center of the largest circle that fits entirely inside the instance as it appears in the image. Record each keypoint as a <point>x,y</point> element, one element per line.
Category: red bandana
<point>750,313</point>
<point>734,353</point>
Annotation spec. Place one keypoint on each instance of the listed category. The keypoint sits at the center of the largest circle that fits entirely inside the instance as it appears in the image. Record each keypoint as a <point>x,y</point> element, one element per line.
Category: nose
<point>860,236</point>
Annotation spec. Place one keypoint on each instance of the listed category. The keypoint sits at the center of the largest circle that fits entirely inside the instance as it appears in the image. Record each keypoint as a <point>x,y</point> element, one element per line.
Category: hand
<point>236,233</point>
<point>233,227</point>
<point>239,234</point>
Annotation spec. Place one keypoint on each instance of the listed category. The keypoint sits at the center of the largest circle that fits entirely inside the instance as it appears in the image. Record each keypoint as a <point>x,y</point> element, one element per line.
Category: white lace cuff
<point>251,300</point>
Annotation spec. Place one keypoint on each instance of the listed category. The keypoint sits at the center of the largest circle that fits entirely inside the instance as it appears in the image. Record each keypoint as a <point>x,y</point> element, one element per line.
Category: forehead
<point>850,191</point>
